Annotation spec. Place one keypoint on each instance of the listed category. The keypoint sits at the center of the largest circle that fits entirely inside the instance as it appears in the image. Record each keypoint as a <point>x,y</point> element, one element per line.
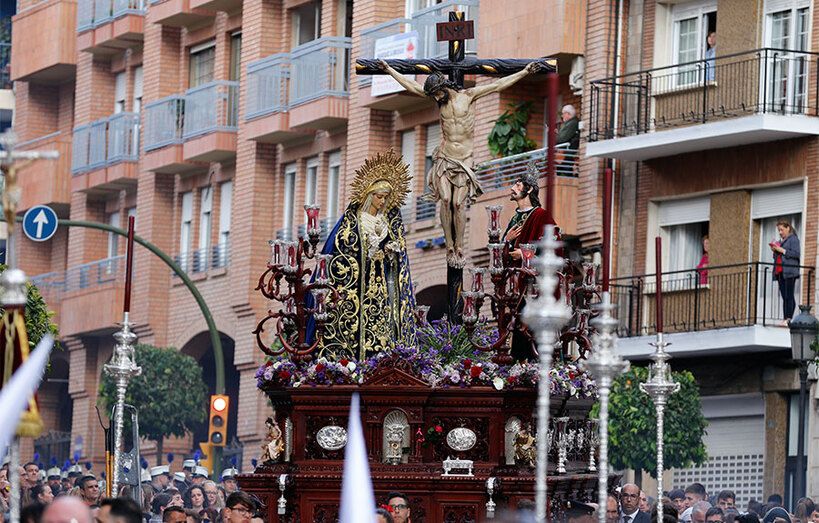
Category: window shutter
<point>433,138</point>
<point>690,210</point>
<point>777,201</point>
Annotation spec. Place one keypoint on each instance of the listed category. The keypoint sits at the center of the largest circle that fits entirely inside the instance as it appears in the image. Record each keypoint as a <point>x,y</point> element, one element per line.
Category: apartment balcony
<point>724,309</point>
<point>179,13</point>
<point>106,27</point>
<point>209,123</point>
<point>229,6</point>
<point>44,42</point>
<point>319,84</point>
<point>46,181</point>
<point>420,39</point>
<point>96,286</point>
<point>266,101</point>
<point>164,119</point>
<point>105,154</point>
<point>200,261</point>
<point>497,177</point>
<point>745,98</point>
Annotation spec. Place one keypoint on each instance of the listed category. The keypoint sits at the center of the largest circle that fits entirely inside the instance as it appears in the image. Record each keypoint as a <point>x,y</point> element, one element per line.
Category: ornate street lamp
<point>804,331</point>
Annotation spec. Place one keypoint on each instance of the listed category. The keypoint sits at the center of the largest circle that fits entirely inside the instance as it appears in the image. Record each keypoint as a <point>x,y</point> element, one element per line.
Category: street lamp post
<point>804,330</point>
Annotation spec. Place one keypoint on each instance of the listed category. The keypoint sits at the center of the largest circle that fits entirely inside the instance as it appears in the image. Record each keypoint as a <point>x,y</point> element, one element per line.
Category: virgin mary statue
<point>369,268</point>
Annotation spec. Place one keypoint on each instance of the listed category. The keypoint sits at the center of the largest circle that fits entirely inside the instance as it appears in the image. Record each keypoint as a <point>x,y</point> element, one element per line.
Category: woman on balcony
<point>786,253</point>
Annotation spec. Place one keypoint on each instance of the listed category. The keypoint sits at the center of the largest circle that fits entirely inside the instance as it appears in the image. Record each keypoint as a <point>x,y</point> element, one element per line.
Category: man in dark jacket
<point>568,135</point>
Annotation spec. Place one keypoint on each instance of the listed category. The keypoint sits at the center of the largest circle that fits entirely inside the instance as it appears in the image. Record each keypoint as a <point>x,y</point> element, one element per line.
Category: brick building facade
<point>213,122</point>
<point>714,139</point>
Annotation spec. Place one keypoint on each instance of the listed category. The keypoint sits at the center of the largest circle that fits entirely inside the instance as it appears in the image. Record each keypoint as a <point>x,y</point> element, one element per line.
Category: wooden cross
<point>456,31</point>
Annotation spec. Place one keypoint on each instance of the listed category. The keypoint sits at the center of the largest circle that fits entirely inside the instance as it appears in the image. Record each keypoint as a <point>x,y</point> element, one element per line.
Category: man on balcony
<point>451,179</point>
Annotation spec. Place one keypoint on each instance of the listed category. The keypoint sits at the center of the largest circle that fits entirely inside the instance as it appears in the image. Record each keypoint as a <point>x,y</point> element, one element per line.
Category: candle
<point>322,268</point>
<point>493,212</point>
<point>421,312</point>
<point>291,255</point>
<point>320,300</point>
<point>495,258</point>
<point>477,279</point>
<point>290,306</point>
<point>658,247</point>
<point>527,252</point>
<point>512,283</point>
<point>312,216</point>
<point>275,252</point>
<point>470,316</point>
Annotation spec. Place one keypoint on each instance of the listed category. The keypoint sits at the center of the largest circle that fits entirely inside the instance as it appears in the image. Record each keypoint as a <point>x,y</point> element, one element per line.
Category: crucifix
<point>13,327</point>
<point>452,180</point>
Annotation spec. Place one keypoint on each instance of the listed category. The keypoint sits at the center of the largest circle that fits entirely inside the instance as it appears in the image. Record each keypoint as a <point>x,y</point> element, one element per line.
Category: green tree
<point>39,320</point>
<point>508,136</point>
<point>633,424</point>
<point>170,394</point>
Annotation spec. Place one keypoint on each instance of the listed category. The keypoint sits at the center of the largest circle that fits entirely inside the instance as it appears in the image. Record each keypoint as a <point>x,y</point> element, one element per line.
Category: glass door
<point>768,301</point>
<point>786,63</point>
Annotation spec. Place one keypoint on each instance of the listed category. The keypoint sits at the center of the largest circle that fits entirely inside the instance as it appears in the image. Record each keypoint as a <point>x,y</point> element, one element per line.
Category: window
<point>205,215</point>
<point>408,152</point>
<point>333,179</point>
<point>311,181</point>
<point>787,25</point>
<point>225,202</point>
<point>119,93</point>
<point>683,223</point>
<point>113,219</point>
<point>692,22</point>
<point>137,103</point>
<point>202,61</point>
<point>286,232</point>
<point>185,230</point>
<point>433,141</point>
<point>306,23</point>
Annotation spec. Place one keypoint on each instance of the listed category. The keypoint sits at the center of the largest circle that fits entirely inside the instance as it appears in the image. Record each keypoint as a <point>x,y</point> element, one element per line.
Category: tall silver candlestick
<point>605,364</point>
<point>122,368</point>
<point>659,387</point>
<point>545,315</point>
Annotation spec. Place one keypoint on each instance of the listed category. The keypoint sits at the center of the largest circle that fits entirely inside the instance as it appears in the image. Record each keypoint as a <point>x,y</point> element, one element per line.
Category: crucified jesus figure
<point>452,180</point>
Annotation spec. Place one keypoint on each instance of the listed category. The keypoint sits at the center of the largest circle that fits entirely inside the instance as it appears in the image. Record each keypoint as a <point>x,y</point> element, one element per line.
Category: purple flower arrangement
<point>443,358</point>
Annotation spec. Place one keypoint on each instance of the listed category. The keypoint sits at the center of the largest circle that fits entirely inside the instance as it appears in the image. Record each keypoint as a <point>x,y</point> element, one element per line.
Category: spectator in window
<point>702,266</point>
<point>710,54</point>
<point>568,135</point>
<point>786,254</point>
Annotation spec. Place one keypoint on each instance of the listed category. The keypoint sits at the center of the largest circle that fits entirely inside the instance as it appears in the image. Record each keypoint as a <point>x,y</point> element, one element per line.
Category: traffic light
<point>217,428</point>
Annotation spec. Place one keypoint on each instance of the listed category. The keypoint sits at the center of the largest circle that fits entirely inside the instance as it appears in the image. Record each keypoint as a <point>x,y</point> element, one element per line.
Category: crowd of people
<point>694,505</point>
<point>76,495</point>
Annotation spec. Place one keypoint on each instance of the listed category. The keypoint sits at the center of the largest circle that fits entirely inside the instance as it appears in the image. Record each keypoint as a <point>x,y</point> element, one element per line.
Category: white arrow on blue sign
<point>40,223</point>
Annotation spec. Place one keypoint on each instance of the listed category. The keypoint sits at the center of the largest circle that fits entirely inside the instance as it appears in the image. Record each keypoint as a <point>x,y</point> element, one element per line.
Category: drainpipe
<point>615,105</point>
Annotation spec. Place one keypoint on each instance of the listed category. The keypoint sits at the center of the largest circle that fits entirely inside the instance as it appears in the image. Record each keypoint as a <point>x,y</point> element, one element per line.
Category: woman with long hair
<point>212,493</point>
<point>195,498</point>
<point>786,253</point>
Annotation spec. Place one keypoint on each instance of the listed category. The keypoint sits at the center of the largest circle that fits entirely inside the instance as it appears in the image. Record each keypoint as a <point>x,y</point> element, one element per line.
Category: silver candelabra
<point>605,364</point>
<point>545,315</point>
<point>659,387</point>
<point>121,368</point>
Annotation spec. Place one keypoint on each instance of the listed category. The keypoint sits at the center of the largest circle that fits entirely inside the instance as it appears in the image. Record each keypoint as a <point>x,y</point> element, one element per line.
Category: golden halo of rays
<point>389,167</point>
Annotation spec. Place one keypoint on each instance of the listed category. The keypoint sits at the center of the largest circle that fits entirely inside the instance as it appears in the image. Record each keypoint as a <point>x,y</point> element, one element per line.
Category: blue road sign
<point>40,223</point>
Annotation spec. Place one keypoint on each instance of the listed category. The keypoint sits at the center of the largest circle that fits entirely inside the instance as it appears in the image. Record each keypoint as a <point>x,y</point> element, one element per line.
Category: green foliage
<point>38,317</point>
<point>633,424</point>
<point>508,136</point>
<point>170,394</point>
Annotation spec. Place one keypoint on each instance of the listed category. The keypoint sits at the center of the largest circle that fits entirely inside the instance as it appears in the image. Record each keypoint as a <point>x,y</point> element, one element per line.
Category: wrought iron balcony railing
<point>764,80</point>
<point>320,68</point>
<point>702,299</point>
<point>211,107</point>
<point>105,142</point>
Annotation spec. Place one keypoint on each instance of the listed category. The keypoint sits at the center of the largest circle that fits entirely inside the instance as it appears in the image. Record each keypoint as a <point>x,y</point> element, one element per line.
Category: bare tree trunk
<point>638,478</point>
